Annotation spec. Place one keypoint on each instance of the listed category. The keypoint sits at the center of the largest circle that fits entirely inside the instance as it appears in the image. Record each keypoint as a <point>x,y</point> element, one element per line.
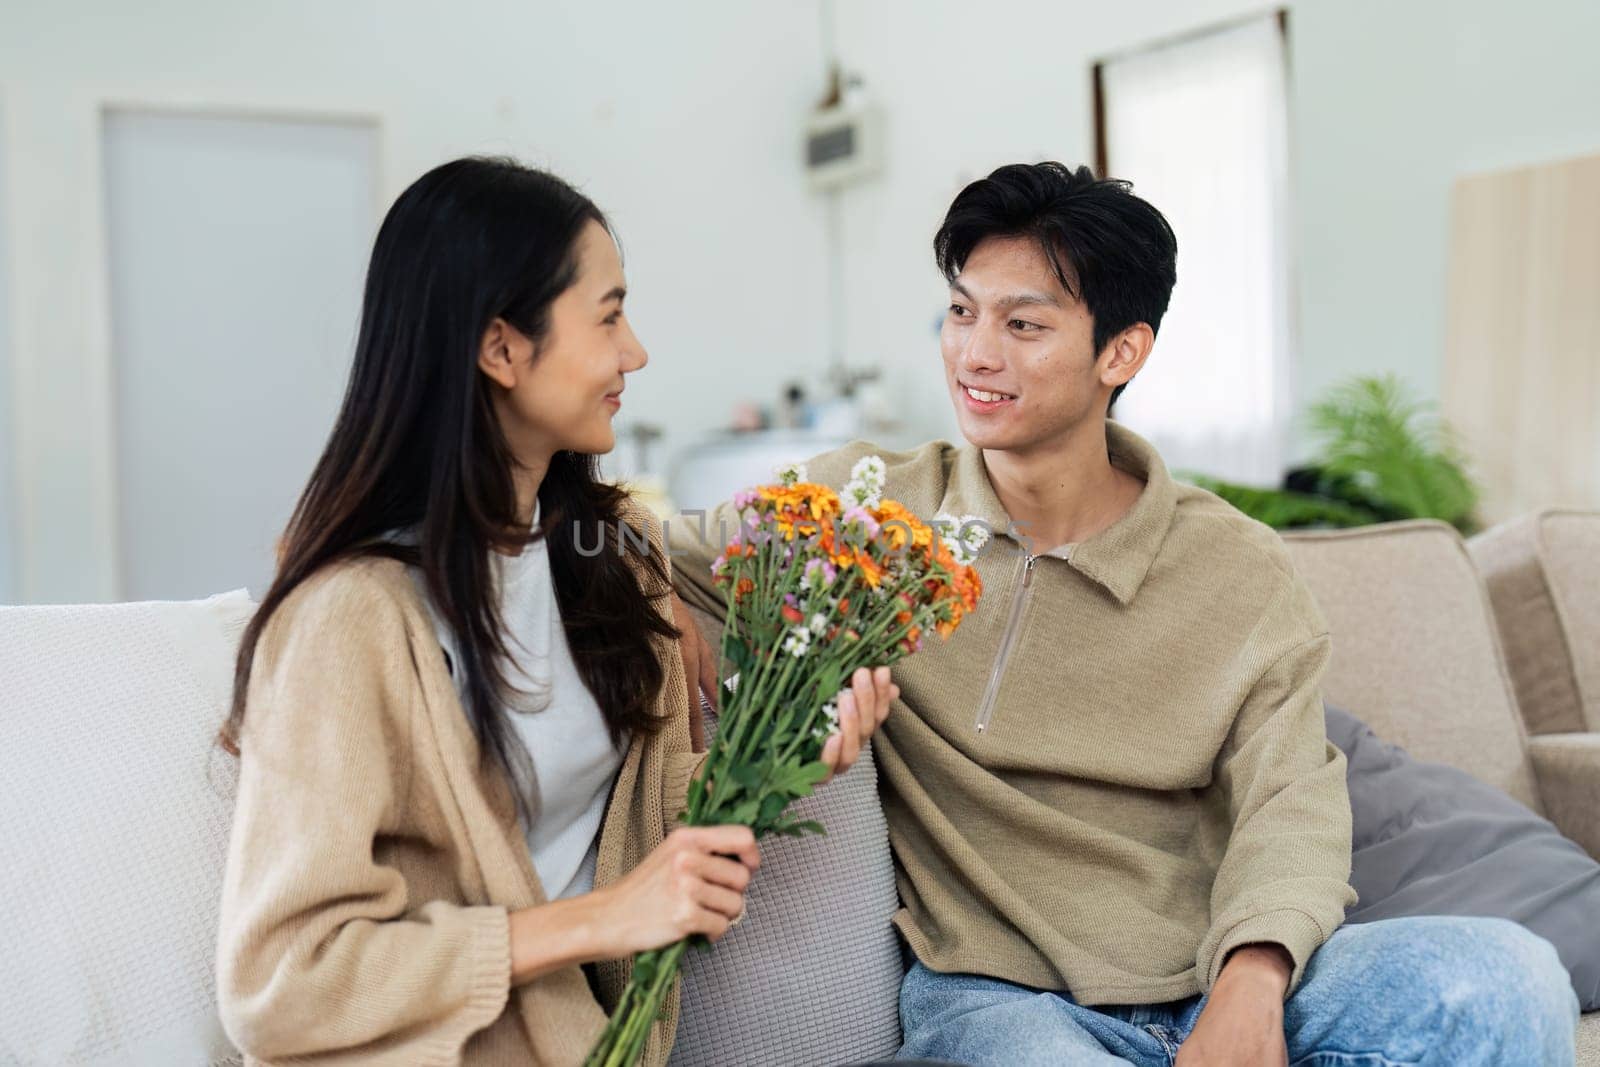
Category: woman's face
<point>565,394</point>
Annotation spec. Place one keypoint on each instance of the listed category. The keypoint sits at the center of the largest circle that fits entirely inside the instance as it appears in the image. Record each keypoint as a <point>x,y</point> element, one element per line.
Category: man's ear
<point>496,357</point>
<point>1125,355</point>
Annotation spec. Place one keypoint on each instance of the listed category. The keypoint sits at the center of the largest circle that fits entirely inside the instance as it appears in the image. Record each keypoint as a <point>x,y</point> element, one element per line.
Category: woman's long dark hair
<point>417,446</point>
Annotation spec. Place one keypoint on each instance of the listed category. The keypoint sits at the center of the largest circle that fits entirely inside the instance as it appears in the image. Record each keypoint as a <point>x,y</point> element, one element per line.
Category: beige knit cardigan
<point>373,863</point>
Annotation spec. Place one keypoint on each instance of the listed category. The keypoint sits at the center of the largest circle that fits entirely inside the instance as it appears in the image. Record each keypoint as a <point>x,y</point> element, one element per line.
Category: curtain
<point>1200,127</point>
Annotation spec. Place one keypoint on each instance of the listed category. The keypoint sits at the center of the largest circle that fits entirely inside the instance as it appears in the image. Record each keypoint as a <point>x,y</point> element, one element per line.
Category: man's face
<point>1018,349</point>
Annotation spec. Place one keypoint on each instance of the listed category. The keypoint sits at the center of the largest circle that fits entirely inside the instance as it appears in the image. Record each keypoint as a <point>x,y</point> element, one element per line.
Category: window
<point>1200,126</point>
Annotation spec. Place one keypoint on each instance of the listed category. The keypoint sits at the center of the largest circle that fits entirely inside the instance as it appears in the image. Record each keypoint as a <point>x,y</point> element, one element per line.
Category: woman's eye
<point>612,319</point>
<point>957,310</point>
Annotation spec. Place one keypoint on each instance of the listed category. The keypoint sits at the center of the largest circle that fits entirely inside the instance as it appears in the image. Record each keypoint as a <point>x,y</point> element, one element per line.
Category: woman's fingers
<point>866,697</point>
<point>863,706</point>
<point>830,754</point>
<point>720,899</point>
<point>849,732</point>
<point>738,842</point>
<point>714,925</point>
<point>721,871</point>
<point>883,690</point>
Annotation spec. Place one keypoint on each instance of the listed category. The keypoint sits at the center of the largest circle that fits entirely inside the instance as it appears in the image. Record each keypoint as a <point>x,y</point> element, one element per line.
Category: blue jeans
<point>1448,991</point>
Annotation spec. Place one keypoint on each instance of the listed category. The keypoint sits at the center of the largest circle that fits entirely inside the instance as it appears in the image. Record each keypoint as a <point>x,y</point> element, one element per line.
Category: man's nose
<point>982,349</point>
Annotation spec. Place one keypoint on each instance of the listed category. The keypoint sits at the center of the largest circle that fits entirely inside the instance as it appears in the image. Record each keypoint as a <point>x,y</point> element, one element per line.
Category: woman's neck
<point>526,477</point>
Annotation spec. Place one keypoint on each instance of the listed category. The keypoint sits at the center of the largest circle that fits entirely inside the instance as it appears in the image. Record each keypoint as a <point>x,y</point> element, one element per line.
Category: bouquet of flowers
<point>820,583</point>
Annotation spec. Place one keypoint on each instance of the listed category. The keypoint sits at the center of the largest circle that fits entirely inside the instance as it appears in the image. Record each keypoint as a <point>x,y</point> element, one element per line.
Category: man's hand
<point>1242,1022</point>
<point>699,669</point>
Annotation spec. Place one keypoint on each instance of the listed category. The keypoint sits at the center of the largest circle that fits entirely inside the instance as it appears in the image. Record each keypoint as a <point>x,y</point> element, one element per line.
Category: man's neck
<point>1064,491</point>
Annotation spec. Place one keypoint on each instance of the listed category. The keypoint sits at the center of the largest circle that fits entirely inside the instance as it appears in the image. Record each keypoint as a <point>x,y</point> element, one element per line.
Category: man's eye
<point>1018,324</point>
<point>957,309</point>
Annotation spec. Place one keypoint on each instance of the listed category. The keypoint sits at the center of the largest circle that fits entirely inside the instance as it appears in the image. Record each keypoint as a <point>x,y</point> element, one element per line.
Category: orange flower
<point>804,498</point>
<point>871,573</point>
<point>892,511</point>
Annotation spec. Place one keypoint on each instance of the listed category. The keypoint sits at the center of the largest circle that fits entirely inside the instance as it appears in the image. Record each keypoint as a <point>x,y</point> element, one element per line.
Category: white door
<point>236,248</point>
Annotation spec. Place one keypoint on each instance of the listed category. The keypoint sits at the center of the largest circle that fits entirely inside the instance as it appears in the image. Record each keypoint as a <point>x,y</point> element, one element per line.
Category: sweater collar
<point>1119,557</point>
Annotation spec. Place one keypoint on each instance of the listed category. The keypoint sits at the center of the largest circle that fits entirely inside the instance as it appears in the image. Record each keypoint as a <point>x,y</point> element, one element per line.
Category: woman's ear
<point>497,353</point>
<point>1126,354</point>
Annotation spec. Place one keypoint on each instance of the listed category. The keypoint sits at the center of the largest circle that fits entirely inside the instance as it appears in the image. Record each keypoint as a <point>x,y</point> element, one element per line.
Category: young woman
<point>464,733</point>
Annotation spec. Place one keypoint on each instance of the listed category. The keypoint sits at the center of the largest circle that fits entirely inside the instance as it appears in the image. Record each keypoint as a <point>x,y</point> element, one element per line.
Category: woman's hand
<point>862,709</point>
<point>693,883</point>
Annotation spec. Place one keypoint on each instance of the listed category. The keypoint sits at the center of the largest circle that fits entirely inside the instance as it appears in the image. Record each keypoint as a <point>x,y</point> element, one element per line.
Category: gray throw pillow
<point>812,974</point>
<point>1433,840</point>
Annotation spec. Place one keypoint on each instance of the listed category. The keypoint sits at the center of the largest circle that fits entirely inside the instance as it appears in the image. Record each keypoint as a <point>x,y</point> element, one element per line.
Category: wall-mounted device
<point>844,143</point>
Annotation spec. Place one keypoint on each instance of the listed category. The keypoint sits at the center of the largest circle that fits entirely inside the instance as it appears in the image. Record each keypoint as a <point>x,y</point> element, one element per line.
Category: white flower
<point>861,494</point>
<point>791,473</point>
<point>819,624</point>
<point>732,684</point>
<point>869,470</point>
<point>830,722</point>
<point>865,487</point>
<point>798,642</point>
<point>965,535</point>
<point>973,535</point>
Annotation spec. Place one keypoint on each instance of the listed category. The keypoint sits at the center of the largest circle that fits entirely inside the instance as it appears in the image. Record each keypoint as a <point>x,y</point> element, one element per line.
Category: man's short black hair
<point>1109,248</point>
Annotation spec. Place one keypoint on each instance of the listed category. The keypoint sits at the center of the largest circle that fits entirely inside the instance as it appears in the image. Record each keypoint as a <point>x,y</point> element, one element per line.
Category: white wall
<point>1389,102</point>
<point>681,123</point>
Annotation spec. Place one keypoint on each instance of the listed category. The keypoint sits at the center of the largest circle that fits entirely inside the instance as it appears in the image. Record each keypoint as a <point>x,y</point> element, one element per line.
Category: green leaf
<point>772,806</point>
<point>798,779</point>
<point>739,655</point>
<point>799,829</point>
<point>1395,449</point>
<point>1284,510</point>
<point>644,969</point>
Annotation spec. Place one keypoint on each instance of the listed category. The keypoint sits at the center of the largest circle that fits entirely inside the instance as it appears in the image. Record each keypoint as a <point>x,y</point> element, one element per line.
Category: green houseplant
<point>1382,455</point>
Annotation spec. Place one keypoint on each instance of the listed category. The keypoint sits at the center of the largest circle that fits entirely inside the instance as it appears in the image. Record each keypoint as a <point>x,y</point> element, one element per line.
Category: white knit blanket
<point>114,810</point>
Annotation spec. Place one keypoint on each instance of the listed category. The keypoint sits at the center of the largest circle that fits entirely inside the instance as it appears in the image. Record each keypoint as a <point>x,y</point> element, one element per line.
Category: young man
<point>1119,829</point>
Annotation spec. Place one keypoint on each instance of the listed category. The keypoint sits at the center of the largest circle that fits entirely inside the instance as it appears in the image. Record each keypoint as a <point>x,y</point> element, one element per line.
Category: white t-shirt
<point>556,718</point>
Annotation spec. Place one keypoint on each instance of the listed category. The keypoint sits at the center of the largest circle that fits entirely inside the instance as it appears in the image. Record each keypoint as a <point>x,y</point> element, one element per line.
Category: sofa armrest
<point>1568,769</point>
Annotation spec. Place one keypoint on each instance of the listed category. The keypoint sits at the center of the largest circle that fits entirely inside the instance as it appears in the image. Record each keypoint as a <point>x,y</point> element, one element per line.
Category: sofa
<point>116,808</point>
<point>1543,575</point>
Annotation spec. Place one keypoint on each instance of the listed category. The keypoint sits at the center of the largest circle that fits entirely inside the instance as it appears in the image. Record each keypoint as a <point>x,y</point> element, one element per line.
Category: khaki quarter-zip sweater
<point>1153,786</point>
<point>373,863</point>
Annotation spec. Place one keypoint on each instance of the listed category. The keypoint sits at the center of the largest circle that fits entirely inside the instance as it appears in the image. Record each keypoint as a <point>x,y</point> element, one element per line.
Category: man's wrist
<point>1264,965</point>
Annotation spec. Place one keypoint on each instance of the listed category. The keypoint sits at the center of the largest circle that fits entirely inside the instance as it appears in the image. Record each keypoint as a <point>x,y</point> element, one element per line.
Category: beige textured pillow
<point>1543,574</point>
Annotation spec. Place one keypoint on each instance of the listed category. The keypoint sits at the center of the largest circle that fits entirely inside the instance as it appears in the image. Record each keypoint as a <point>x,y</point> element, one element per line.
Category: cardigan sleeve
<point>321,955</point>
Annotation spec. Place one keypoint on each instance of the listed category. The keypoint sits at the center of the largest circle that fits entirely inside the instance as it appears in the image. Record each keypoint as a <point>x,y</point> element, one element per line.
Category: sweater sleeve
<point>1279,789</point>
<point>321,955</point>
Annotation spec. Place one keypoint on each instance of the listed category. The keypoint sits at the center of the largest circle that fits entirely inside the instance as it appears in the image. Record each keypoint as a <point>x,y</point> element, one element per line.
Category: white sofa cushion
<point>115,809</point>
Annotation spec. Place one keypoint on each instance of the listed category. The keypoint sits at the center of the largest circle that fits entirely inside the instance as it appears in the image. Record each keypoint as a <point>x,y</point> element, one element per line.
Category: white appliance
<point>713,469</point>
